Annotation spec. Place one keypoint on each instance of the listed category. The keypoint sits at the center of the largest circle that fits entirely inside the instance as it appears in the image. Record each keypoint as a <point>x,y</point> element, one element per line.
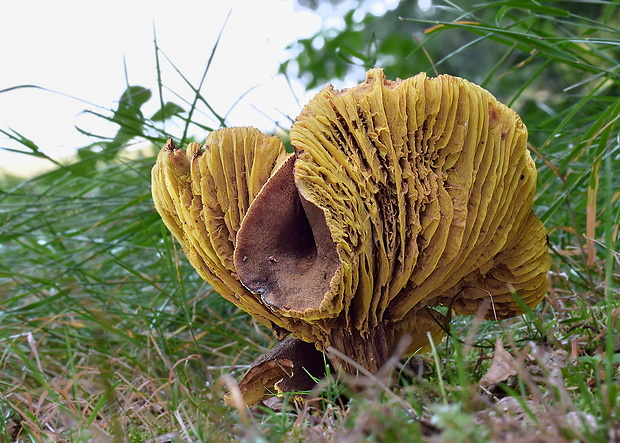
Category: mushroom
<point>401,196</point>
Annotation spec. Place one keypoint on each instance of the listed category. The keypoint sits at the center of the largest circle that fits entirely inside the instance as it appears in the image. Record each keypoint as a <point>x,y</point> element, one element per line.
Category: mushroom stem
<point>369,350</point>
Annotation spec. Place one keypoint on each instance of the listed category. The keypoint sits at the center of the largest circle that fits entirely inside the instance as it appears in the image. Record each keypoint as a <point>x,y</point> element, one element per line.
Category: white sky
<point>76,47</point>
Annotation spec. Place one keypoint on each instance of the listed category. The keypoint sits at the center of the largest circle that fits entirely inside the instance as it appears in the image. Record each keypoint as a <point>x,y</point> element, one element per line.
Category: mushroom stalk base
<point>370,350</point>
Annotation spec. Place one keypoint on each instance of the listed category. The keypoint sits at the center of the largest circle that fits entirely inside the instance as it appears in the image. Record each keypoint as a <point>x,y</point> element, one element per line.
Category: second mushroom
<point>401,196</point>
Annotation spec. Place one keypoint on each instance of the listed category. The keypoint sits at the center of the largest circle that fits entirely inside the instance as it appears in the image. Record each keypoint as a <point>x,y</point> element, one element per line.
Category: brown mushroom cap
<point>284,249</point>
<point>291,366</point>
<point>401,196</point>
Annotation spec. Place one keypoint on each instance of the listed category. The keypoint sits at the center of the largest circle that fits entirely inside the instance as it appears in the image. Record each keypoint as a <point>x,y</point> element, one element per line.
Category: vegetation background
<point>107,333</point>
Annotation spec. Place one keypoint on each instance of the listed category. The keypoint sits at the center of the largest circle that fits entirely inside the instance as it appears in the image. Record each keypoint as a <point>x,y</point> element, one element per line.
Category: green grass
<point>107,332</point>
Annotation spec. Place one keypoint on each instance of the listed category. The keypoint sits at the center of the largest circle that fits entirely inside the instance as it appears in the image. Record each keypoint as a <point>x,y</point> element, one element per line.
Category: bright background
<point>89,51</point>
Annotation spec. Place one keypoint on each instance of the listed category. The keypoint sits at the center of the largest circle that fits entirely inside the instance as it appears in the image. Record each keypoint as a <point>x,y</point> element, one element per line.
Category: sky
<point>87,51</point>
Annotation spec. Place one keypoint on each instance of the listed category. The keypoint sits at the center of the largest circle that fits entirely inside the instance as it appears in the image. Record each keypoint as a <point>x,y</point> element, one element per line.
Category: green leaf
<point>169,110</point>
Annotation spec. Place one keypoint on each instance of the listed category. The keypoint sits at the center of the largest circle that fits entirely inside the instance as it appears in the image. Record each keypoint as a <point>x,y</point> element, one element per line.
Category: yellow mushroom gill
<point>401,196</point>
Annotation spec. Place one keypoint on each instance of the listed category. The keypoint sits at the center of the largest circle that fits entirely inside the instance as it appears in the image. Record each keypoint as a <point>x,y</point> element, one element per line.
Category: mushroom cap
<point>401,196</point>
<point>291,264</point>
